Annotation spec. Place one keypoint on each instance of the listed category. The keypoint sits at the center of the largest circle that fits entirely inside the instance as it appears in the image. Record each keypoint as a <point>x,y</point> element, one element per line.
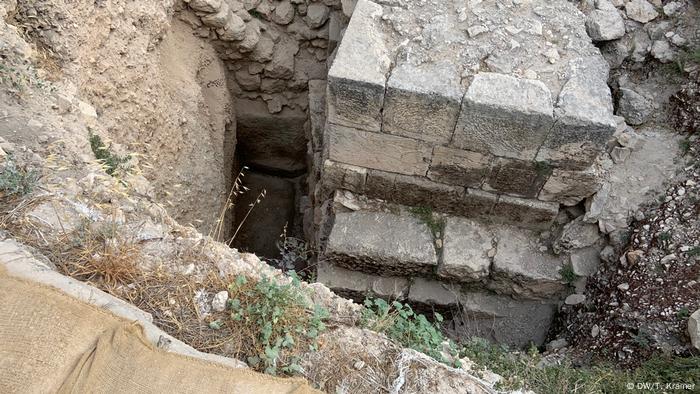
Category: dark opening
<point>272,148</point>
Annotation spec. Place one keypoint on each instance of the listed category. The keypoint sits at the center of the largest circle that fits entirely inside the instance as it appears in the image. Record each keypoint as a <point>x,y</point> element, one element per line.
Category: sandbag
<point>51,342</point>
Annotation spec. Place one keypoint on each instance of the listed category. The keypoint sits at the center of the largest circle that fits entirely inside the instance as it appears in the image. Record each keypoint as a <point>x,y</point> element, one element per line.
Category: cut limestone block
<point>432,292</point>
<point>476,204</point>
<point>413,191</point>
<point>521,268</point>
<point>377,151</point>
<point>358,285</point>
<point>423,101</point>
<point>381,243</point>
<point>524,212</point>
<point>502,319</point>
<point>517,177</point>
<point>570,187</point>
<point>342,176</point>
<point>466,245</point>
<point>584,117</point>
<point>458,167</point>
<point>504,116</point>
<point>357,78</point>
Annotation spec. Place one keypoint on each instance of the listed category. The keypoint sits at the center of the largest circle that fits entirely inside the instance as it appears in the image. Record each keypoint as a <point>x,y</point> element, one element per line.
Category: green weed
<point>279,317</point>
<point>412,330</point>
<point>425,215</point>
<point>567,273</point>
<point>110,161</point>
<point>16,181</point>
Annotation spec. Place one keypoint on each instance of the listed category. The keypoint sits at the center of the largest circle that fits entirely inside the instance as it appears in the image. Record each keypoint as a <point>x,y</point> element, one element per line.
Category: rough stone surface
<point>526,213</point>
<point>504,320</point>
<point>640,11</point>
<point>585,261</point>
<point>634,107</point>
<point>218,304</point>
<point>576,234</point>
<point>466,245</point>
<point>357,285</point>
<point>584,116</point>
<point>570,187</point>
<point>382,243</point>
<point>357,79</point>
<point>516,177</point>
<point>504,116</point>
<point>377,151</point>
<point>605,25</point>
<point>522,268</point>
<point>458,167</point>
<point>423,102</point>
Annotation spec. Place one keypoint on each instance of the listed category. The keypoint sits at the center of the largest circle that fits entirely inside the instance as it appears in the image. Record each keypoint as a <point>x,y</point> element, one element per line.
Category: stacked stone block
<point>488,115</point>
<point>487,144</point>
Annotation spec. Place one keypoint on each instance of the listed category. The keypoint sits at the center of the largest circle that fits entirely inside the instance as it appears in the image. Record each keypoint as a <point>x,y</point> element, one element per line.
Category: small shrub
<point>567,273</point>
<point>279,317</point>
<point>665,236</point>
<point>400,323</point>
<point>425,215</point>
<point>16,181</point>
<point>110,161</point>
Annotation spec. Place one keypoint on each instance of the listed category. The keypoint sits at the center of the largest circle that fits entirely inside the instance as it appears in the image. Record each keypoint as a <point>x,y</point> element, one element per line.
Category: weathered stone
<point>576,234</point>
<point>205,5</point>
<point>264,50</point>
<point>615,52</point>
<point>517,177</point>
<point>421,192</point>
<point>694,329</point>
<point>218,304</point>
<point>458,167</point>
<point>520,268</point>
<point>641,45</point>
<point>342,176</point>
<point>357,78</point>
<point>377,151</point>
<point>282,64</point>
<point>585,261</point>
<point>661,50</point>
<point>640,11</point>
<point>284,13</point>
<point>584,117</point>
<point>504,116</point>
<point>423,101</point>
<point>220,18</point>
<point>247,81</point>
<point>634,107</point>
<point>432,292</point>
<point>358,285</point>
<point>476,203</point>
<point>234,30</point>
<point>252,36</point>
<point>504,320</point>
<point>605,25</point>
<point>465,250</point>
<point>382,243</point>
<point>575,299</point>
<point>316,15</point>
<point>524,212</point>
<point>570,187</point>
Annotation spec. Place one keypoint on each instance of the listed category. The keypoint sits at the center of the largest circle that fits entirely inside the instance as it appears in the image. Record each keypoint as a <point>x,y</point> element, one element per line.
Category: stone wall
<point>472,113</point>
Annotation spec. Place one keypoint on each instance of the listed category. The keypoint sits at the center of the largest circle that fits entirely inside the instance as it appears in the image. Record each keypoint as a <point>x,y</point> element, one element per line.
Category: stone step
<point>382,239</point>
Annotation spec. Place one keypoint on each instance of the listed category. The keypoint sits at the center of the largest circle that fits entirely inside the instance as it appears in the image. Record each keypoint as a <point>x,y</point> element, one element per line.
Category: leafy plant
<point>281,319</point>
<point>567,273</point>
<point>425,215</point>
<point>400,323</point>
<point>543,168</point>
<point>15,180</point>
<point>110,161</point>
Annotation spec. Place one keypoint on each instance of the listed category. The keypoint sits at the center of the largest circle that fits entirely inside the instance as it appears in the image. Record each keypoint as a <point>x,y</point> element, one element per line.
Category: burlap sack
<point>51,342</point>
